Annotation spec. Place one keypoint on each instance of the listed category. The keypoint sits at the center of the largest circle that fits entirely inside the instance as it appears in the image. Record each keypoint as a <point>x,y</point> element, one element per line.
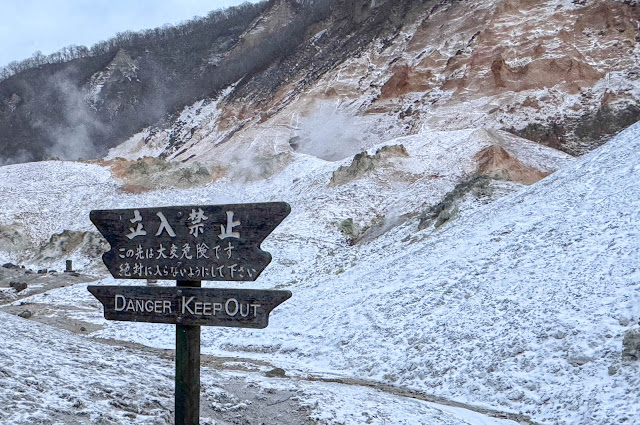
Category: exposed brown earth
<point>544,73</point>
<point>404,80</point>
<point>399,67</point>
<point>534,67</point>
<point>495,162</point>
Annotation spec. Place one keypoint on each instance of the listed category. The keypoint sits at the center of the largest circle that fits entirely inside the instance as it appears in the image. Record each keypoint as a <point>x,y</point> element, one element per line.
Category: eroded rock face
<point>61,245</point>
<point>404,80</point>
<point>445,210</point>
<point>150,173</point>
<point>543,69</point>
<point>569,72</point>
<point>14,240</point>
<point>121,71</point>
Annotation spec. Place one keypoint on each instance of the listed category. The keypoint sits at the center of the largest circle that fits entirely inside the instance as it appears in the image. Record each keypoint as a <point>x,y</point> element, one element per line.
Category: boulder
<point>18,286</point>
<point>349,228</point>
<point>276,373</point>
<point>631,345</point>
<point>25,314</point>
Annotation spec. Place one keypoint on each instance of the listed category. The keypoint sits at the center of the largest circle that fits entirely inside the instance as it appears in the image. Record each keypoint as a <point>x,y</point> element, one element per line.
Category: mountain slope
<point>559,72</point>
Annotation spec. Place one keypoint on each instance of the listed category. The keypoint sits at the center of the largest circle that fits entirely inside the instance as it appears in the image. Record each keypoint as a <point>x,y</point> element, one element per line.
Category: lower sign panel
<point>241,308</point>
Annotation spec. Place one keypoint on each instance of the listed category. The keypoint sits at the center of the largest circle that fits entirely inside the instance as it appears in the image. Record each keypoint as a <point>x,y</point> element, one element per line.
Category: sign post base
<point>187,389</point>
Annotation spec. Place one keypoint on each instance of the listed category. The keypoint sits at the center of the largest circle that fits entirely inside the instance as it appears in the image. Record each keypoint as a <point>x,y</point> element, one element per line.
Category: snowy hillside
<point>517,305</point>
<point>522,305</point>
<point>49,197</point>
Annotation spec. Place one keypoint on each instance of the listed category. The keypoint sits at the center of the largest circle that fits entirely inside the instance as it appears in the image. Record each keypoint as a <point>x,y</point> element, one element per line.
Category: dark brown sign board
<point>194,243</point>
<point>242,308</point>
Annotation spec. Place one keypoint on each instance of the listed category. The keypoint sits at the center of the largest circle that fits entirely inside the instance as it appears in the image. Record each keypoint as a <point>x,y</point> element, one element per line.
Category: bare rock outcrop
<point>364,163</point>
<point>13,239</point>
<point>631,345</point>
<point>404,80</point>
<point>62,245</point>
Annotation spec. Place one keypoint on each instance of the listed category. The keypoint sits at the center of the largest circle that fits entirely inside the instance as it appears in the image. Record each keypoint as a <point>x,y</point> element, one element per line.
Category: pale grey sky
<point>49,25</point>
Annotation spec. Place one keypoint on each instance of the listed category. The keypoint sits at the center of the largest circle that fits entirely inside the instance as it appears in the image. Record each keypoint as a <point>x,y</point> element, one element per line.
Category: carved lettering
<point>185,305</point>
<point>189,306</point>
<point>231,312</point>
<point>139,230</point>
<point>141,305</point>
<point>164,226</point>
<point>123,300</point>
<point>227,232</point>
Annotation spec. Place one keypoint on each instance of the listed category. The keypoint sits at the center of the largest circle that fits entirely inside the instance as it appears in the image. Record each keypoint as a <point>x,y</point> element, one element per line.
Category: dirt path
<point>423,396</point>
<point>288,398</point>
<point>17,282</point>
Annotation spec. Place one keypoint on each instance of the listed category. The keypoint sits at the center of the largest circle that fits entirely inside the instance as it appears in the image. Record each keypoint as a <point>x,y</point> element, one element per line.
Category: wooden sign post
<point>189,244</point>
<point>187,380</point>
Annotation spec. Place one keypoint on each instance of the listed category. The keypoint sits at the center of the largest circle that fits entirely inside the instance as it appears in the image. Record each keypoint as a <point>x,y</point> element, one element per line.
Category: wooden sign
<point>194,243</point>
<point>189,244</point>
<point>243,308</point>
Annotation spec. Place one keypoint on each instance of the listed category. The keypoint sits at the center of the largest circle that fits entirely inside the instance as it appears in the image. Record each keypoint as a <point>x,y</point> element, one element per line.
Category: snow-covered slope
<point>522,304</point>
<point>519,305</point>
<point>48,197</point>
<point>51,376</point>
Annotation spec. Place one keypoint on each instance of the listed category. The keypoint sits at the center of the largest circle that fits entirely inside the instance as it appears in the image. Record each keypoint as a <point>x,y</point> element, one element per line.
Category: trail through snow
<point>54,377</point>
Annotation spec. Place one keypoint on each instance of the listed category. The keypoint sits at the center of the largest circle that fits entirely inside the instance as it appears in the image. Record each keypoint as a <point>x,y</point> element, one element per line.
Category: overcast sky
<point>48,25</point>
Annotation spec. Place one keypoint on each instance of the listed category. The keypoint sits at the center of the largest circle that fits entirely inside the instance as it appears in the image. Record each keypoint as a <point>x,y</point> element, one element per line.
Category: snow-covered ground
<point>54,377</point>
<point>519,305</point>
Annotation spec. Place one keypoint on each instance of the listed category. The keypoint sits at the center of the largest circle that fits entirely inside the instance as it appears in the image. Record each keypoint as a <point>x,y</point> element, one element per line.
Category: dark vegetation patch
<point>446,209</point>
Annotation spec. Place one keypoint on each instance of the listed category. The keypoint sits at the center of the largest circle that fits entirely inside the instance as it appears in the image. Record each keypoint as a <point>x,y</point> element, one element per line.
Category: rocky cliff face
<point>332,78</point>
<point>558,72</point>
